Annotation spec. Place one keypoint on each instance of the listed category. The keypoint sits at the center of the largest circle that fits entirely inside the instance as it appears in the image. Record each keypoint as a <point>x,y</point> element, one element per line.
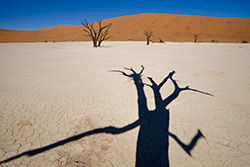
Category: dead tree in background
<point>148,33</point>
<point>196,37</point>
<point>97,33</point>
<point>104,35</point>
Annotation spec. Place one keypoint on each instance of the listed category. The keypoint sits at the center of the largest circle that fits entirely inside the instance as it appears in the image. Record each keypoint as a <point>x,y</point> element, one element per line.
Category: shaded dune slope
<point>167,27</point>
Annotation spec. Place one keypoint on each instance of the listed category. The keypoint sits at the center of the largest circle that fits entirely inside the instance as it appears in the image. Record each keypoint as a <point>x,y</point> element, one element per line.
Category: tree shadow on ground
<point>153,138</point>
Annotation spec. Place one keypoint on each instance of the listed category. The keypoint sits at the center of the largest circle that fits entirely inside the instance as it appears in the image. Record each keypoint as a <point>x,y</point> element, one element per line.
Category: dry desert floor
<point>50,92</point>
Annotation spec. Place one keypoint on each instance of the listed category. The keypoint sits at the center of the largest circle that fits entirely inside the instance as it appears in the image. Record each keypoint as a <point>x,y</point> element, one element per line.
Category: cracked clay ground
<point>50,92</point>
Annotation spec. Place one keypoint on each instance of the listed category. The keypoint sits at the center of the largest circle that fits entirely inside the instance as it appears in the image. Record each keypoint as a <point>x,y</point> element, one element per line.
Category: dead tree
<point>148,33</point>
<point>104,35</point>
<point>196,37</point>
<point>97,33</point>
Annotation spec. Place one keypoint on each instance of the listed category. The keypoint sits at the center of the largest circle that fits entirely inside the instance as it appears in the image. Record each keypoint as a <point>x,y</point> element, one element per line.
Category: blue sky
<point>38,14</point>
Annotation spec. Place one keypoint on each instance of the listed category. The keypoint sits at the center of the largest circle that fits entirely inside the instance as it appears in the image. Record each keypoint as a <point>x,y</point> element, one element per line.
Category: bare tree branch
<point>196,37</point>
<point>104,34</point>
<point>97,34</point>
<point>148,33</point>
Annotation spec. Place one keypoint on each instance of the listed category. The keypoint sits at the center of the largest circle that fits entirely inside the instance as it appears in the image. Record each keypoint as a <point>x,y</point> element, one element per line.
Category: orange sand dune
<point>167,27</point>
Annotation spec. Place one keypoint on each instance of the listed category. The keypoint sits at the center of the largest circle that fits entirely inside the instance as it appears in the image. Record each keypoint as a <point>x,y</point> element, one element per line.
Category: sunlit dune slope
<point>166,27</point>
